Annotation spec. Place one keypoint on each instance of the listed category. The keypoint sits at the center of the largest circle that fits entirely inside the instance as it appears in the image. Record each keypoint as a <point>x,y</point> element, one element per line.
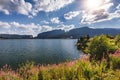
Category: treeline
<point>15,36</point>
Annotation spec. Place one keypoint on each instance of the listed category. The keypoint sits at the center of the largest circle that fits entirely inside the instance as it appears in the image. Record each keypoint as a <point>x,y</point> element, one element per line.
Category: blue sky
<point>35,16</point>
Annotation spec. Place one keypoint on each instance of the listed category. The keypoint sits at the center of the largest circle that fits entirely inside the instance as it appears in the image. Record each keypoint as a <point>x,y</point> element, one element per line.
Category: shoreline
<point>65,71</point>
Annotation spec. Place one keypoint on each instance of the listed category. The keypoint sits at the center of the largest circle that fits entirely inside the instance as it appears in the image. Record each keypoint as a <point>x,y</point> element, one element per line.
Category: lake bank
<point>81,69</point>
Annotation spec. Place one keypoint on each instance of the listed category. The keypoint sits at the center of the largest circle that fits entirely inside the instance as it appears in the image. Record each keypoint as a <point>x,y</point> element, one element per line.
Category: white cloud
<point>46,28</point>
<point>17,28</point>
<point>50,5</point>
<point>65,27</point>
<point>29,29</point>
<point>118,7</point>
<point>55,20</point>
<point>4,25</point>
<point>23,7</point>
<point>4,8</point>
<point>5,11</point>
<point>45,22</point>
<point>71,14</point>
<point>98,14</point>
<point>30,10</point>
<point>19,6</point>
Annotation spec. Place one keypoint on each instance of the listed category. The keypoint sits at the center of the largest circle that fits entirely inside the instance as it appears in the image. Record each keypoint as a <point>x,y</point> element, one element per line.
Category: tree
<point>100,46</point>
<point>82,42</point>
<point>110,36</point>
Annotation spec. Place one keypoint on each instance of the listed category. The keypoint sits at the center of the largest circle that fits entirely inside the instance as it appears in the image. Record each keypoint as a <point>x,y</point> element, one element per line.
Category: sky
<point>31,17</point>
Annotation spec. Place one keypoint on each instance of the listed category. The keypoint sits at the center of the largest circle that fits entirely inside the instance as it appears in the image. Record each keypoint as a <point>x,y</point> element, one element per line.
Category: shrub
<point>117,40</point>
<point>6,73</point>
<point>115,61</point>
<point>100,46</point>
<point>28,71</point>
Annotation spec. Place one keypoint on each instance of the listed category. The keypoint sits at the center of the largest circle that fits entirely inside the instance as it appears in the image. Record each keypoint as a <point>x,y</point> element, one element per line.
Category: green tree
<point>82,42</point>
<point>100,46</point>
<point>110,36</point>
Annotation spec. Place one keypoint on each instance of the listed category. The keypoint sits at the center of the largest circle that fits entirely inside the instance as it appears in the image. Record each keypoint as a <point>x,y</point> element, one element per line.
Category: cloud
<point>46,28</point>
<point>55,20</point>
<point>4,6</point>
<point>65,27</point>
<point>45,22</point>
<point>98,14</point>
<point>118,7</point>
<point>4,25</point>
<point>29,9</point>
<point>50,5</point>
<point>71,14</point>
<point>29,29</point>
<point>5,11</point>
<point>17,28</point>
<point>23,7</point>
<point>19,6</point>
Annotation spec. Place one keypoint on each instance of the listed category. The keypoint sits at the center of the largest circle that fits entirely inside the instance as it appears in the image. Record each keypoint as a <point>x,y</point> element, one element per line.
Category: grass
<point>81,69</point>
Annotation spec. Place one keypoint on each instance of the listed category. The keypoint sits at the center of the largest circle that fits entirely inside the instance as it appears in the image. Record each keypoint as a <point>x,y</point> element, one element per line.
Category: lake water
<point>41,51</point>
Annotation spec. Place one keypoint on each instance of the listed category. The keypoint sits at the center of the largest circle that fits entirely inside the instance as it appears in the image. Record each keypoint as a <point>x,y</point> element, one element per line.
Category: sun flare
<point>93,4</point>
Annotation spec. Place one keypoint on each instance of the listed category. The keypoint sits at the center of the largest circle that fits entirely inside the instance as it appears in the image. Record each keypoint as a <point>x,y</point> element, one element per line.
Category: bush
<point>6,73</point>
<point>100,46</point>
<point>117,40</point>
<point>115,61</point>
<point>28,71</point>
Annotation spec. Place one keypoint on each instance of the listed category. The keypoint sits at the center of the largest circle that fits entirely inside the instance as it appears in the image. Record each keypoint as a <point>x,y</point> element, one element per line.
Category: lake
<point>42,51</point>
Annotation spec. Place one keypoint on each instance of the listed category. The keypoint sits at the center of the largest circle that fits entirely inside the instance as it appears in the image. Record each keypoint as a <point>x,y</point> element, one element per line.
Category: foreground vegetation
<point>95,65</point>
<point>81,69</point>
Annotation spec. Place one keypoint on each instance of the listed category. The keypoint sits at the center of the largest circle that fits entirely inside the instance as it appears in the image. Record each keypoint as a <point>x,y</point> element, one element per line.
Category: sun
<point>93,4</point>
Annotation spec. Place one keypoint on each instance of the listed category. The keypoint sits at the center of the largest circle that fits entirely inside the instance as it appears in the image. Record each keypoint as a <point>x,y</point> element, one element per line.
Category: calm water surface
<point>14,52</point>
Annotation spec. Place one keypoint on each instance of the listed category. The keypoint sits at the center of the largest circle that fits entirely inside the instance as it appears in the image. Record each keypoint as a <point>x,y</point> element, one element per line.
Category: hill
<point>15,36</point>
<point>77,32</point>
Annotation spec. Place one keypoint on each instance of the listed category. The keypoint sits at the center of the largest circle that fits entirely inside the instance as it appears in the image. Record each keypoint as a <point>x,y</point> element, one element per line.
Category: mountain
<point>61,34</point>
<point>15,36</point>
<point>77,32</point>
<point>51,34</point>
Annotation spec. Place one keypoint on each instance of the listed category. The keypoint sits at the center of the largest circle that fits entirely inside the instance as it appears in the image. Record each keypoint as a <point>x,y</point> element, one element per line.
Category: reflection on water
<point>14,52</point>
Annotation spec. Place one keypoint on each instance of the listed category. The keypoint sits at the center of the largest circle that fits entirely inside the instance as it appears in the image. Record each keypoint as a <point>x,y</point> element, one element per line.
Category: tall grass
<point>81,69</point>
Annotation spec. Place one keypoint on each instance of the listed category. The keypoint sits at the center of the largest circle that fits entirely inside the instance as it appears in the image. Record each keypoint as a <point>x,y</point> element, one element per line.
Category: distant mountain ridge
<point>77,32</point>
<point>51,34</point>
<point>62,34</point>
<point>15,36</point>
